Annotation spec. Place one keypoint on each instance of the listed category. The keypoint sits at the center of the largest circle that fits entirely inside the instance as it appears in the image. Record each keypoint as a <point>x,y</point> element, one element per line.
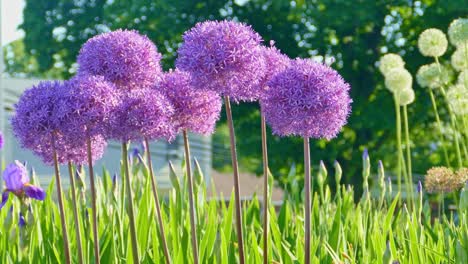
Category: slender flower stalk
<point>157,203</point>
<point>398,137</point>
<point>193,224</point>
<point>93,202</point>
<point>235,168</point>
<point>408,152</point>
<point>439,125</point>
<point>265,190</point>
<point>58,183</point>
<point>75,213</point>
<point>307,191</point>
<point>131,215</point>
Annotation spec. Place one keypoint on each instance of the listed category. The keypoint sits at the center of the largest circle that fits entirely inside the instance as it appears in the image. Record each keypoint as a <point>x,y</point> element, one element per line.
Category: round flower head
<point>405,97</point>
<point>223,56</point>
<point>17,182</point>
<point>124,57</point>
<point>458,31</point>
<point>398,79</point>
<point>463,78</point>
<point>276,62</point>
<point>459,61</point>
<point>196,110</point>
<point>457,96</point>
<point>432,43</point>
<point>389,62</point>
<point>442,180</point>
<point>432,77</point>
<point>308,99</point>
<point>144,113</point>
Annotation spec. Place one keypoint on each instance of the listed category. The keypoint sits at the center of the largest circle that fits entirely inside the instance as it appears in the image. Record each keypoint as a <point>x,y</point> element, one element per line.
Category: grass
<point>342,230</point>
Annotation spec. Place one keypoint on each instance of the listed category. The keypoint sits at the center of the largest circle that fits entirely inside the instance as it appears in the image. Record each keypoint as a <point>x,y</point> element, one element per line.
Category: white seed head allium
<point>405,97</point>
<point>432,77</point>
<point>463,78</point>
<point>389,62</point>
<point>460,58</point>
<point>432,43</point>
<point>398,79</point>
<point>458,32</point>
<point>457,96</point>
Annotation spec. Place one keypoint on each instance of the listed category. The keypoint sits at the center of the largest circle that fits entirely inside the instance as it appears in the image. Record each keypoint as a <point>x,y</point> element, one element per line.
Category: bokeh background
<point>353,32</point>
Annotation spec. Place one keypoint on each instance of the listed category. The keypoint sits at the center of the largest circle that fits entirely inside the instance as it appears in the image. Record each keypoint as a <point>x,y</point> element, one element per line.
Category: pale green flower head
<point>458,99</point>
<point>458,32</point>
<point>460,58</point>
<point>398,79</point>
<point>430,76</point>
<point>389,62</point>
<point>405,97</point>
<point>463,78</point>
<point>432,43</point>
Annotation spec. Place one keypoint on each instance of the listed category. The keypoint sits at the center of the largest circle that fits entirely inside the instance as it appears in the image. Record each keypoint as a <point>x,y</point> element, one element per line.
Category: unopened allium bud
<point>405,97</point>
<point>432,43</point>
<point>463,78</point>
<point>322,175</point>
<point>432,76</point>
<point>389,62</point>
<point>398,79</point>
<point>457,96</point>
<point>389,184</point>
<point>459,61</point>
<point>458,31</point>
<point>419,189</point>
<point>381,173</point>
<point>338,173</point>
<point>365,167</point>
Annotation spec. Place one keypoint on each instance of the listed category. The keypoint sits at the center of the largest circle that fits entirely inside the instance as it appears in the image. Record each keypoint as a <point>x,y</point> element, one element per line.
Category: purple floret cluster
<point>276,62</point>
<point>223,56</point>
<point>124,57</point>
<point>308,99</point>
<point>196,110</point>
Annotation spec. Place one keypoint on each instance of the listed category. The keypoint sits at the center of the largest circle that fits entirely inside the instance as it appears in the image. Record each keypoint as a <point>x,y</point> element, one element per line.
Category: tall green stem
<point>193,225</point>
<point>157,204</point>
<point>307,200</point>
<point>408,153</point>
<point>93,202</point>
<point>439,125</point>
<point>398,137</point>
<point>75,213</point>
<point>235,168</point>
<point>131,214</point>
<point>265,189</point>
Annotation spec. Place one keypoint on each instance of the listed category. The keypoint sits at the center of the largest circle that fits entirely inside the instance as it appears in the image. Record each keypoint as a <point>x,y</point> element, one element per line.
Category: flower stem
<point>307,200</point>
<point>398,134</point>
<point>157,204</point>
<point>66,244</point>
<point>93,202</point>
<point>131,214</point>
<point>439,124</point>
<point>235,168</point>
<point>193,226</point>
<point>408,153</point>
<point>75,213</point>
<point>265,189</point>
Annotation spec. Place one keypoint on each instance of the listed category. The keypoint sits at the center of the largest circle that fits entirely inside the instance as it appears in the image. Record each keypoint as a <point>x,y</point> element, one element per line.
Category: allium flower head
<point>276,62</point>
<point>17,182</point>
<point>196,110</point>
<point>463,78</point>
<point>459,61</point>
<point>308,99</point>
<point>223,56</point>
<point>405,97</point>
<point>389,62</point>
<point>442,180</point>
<point>462,175</point>
<point>432,43</point>
<point>398,79</point>
<point>124,57</point>
<point>457,96</point>
<point>432,77</point>
<point>42,121</point>
<point>458,31</point>
<point>144,113</point>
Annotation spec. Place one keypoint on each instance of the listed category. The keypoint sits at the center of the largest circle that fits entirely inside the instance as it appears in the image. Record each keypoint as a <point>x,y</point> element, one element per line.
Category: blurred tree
<point>356,33</point>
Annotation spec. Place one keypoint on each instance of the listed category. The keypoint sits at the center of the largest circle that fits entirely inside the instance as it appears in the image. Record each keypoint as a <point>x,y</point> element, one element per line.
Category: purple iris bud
<point>380,164</point>
<point>1,140</point>
<point>21,221</point>
<point>135,152</point>
<point>365,154</point>
<point>419,187</point>
<point>17,182</point>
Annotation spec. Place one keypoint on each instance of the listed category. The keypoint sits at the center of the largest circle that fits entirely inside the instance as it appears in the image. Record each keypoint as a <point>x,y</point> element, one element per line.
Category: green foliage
<point>342,231</point>
<point>356,33</point>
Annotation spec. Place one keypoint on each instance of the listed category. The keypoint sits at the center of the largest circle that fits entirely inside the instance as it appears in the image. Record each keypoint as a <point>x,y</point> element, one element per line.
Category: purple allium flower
<point>144,113</point>
<point>223,56</point>
<point>124,57</point>
<point>1,140</point>
<point>43,118</point>
<point>196,110</point>
<point>276,62</point>
<point>308,99</point>
<point>17,182</point>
